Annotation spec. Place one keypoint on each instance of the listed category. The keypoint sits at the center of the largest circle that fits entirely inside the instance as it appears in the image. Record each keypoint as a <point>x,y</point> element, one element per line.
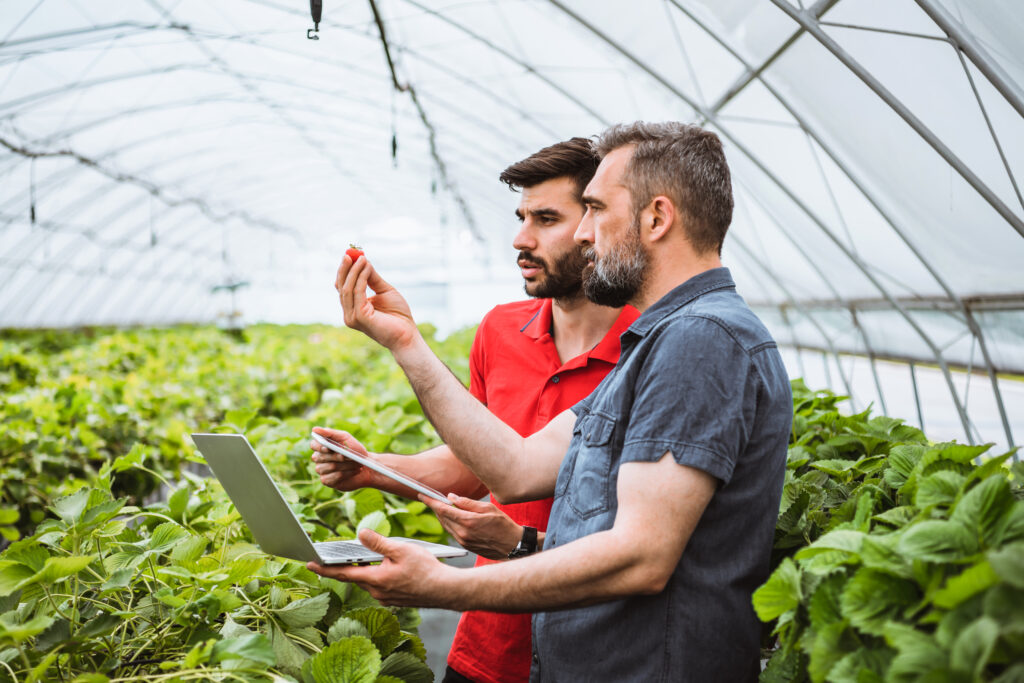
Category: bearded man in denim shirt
<point>666,479</point>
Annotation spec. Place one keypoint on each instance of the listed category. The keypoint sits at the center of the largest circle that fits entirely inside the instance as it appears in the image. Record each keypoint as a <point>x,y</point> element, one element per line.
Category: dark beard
<point>563,280</point>
<point>618,277</point>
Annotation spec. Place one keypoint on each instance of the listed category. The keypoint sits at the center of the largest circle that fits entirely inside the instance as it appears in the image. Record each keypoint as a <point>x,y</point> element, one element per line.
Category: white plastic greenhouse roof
<point>156,156</point>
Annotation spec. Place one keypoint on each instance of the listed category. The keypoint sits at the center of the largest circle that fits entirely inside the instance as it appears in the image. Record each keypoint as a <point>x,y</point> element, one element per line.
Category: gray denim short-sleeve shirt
<point>699,377</point>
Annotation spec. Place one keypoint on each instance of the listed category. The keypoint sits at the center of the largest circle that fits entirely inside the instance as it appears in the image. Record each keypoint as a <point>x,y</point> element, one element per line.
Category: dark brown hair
<point>683,162</point>
<point>575,158</point>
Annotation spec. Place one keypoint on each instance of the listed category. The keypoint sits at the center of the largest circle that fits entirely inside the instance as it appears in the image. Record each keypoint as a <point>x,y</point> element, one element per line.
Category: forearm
<point>437,468</point>
<point>486,445</point>
<point>596,568</point>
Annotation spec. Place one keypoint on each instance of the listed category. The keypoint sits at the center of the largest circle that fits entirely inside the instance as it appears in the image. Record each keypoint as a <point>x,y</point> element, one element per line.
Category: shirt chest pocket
<point>589,484</point>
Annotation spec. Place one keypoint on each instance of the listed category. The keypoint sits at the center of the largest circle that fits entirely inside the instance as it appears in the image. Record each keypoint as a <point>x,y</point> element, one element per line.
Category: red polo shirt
<point>516,373</point>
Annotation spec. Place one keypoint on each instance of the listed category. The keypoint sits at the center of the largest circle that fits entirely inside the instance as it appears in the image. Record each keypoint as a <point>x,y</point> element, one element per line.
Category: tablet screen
<point>382,469</point>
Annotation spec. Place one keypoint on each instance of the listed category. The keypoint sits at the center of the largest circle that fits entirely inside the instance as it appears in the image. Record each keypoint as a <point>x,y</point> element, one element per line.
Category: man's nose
<point>524,239</point>
<point>584,235</point>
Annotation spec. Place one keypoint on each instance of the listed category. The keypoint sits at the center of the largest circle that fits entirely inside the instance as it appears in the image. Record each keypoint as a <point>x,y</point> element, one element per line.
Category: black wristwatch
<point>527,544</point>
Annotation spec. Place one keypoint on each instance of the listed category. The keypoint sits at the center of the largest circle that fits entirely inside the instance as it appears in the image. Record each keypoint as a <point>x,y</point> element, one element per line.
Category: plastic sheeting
<point>181,160</point>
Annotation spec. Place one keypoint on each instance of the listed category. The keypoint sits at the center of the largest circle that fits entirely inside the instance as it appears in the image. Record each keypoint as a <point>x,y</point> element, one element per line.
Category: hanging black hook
<point>316,9</point>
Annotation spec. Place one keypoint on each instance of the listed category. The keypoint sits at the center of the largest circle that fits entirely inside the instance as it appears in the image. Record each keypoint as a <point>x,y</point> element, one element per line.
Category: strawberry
<point>353,252</point>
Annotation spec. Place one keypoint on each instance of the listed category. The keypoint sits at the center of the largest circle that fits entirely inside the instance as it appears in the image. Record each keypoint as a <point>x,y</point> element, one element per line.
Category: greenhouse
<point>180,182</point>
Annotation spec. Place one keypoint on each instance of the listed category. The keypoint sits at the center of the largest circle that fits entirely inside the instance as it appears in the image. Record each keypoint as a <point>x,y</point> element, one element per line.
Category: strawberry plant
<point>896,559</point>
<point>99,583</point>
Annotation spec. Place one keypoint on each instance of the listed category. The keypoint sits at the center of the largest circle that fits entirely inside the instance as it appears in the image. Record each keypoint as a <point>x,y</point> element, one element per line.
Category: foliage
<point>896,559</point>
<point>131,566</point>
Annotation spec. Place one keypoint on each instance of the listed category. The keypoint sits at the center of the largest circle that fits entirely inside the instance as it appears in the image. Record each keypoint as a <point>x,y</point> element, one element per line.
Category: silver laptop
<point>273,524</point>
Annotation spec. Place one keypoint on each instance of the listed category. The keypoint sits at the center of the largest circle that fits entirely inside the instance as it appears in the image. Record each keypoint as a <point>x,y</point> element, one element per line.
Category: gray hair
<point>683,162</point>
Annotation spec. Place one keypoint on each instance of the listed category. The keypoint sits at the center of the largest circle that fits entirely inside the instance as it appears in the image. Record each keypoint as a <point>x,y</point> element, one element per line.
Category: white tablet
<point>382,469</point>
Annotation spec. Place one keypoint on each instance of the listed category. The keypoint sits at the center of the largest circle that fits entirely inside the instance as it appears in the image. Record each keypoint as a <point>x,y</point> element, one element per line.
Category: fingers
<point>380,544</point>
<point>342,437</point>
<point>470,504</point>
<point>343,268</point>
<point>362,277</point>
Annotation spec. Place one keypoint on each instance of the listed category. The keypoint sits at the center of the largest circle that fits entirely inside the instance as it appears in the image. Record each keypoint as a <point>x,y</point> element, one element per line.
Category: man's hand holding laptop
<point>477,526</point>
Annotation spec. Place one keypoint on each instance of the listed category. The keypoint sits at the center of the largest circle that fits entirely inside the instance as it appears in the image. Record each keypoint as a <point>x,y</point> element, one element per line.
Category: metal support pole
<point>810,24</point>
<point>965,41</point>
<point>874,201</point>
<point>917,395</point>
<point>871,359</point>
<point>711,116</point>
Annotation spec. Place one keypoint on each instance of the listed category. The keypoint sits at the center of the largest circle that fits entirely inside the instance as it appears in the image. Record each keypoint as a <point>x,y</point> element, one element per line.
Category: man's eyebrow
<point>591,201</point>
<point>545,212</point>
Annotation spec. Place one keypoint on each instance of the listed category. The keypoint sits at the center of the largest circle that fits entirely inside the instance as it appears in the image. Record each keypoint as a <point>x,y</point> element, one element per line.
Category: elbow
<point>650,577</point>
<point>652,582</point>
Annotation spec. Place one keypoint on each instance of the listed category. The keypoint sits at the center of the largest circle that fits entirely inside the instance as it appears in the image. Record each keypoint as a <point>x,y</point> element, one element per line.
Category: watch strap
<point>527,544</point>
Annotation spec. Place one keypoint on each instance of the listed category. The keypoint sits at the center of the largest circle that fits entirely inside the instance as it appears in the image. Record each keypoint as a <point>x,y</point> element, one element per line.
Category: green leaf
<point>12,576</point>
<point>940,488</point>
<point>70,508</point>
<point>345,627</point>
<point>58,568</point>
<point>251,646</point>
<point>102,625</point>
<point>898,516</point>
<point>827,648</point>
<point>378,521</point>
<point>12,630</point>
<point>406,667</point>
<point>862,666</point>
<point>824,608</point>
<point>836,468</point>
<point>189,550</point>
<point>383,626</point>
<point>413,644</point>
<point>971,581</point>
<point>177,502</point>
<point>918,654</point>
<point>973,647</point>
<point>1008,563</point>
<point>780,594</point>
<point>305,612</point>
<point>960,452</point>
<point>28,553</point>
<point>352,660</point>
<point>232,629</point>
<point>938,541</point>
<point>288,655</point>
<point>871,598</point>
<point>904,458</point>
<point>879,552</point>
<point>136,456</point>
<point>166,536</point>
<point>983,507</point>
<point>846,540</point>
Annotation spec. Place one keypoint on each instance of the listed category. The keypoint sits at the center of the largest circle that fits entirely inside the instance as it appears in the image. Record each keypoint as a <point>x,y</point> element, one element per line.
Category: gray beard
<point>618,277</point>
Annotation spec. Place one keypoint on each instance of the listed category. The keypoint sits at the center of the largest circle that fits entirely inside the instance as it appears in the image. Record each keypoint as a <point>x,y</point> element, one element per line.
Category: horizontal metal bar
<point>987,302</point>
<point>917,361</point>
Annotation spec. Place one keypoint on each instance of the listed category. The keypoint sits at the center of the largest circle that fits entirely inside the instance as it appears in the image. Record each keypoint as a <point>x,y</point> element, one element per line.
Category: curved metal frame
<point>757,73</point>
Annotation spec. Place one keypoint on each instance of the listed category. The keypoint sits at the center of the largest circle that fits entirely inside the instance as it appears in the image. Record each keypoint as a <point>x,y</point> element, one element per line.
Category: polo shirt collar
<point>540,324</point>
<point>609,348</point>
<point>695,287</point>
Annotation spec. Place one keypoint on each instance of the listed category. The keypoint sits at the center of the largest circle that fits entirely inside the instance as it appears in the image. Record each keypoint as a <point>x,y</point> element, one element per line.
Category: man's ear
<point>661,216</point>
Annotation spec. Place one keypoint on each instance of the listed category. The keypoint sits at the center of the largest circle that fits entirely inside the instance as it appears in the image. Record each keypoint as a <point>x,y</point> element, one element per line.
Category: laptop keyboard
<point>341,550</point>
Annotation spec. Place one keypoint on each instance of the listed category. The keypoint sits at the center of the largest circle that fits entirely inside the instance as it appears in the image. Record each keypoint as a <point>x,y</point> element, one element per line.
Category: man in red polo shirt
<point>530,361</point>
